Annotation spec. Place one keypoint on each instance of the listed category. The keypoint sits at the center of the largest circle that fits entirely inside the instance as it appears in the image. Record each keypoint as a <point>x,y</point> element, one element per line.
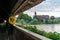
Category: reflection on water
<point>49,27</point>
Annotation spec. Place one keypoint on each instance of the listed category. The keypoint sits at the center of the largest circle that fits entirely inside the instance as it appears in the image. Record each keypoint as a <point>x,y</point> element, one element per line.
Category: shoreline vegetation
<point>24,20</point>
<point>51,35</point>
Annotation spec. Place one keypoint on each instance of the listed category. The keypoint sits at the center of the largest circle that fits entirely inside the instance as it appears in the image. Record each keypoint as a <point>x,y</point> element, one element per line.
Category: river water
<point>49,27</point>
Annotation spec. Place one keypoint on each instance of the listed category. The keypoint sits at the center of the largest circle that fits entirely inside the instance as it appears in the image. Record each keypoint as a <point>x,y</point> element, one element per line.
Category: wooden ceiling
<point>14,7</point>
<point>23,5</point>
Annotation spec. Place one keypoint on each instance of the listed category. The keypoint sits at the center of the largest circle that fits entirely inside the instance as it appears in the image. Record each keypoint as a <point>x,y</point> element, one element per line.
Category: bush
<point>54,36</point>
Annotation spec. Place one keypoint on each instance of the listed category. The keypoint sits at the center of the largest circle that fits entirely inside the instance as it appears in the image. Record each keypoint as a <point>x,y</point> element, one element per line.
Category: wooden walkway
<point>5,36</point>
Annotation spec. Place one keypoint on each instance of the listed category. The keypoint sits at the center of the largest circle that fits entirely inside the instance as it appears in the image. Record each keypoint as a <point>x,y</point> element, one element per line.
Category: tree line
<point>25,18</point>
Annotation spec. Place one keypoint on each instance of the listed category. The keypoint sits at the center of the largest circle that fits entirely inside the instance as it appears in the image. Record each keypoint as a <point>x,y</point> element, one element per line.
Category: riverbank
<point>54,35</point>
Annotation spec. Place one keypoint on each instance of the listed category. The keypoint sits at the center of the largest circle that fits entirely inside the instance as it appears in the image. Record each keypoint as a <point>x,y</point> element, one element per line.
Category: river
<point>49,27</point>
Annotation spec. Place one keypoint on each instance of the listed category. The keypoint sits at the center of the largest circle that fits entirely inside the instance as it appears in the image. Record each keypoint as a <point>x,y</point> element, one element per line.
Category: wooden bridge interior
<point>14,7</point>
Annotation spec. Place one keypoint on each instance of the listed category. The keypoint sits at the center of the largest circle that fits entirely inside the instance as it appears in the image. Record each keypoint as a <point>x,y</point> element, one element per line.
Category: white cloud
<point>48,7</point>
<point>29,13</point>
<point>57,9</point>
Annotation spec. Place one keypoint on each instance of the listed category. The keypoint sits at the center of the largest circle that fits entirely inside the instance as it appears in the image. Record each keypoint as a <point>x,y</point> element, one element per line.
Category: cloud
<point>57,9</point>
<point>29,13</point>
<point>46,6</point>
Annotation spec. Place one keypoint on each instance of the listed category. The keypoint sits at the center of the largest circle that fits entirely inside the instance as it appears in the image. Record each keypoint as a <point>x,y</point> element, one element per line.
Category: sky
<point>47,7</point>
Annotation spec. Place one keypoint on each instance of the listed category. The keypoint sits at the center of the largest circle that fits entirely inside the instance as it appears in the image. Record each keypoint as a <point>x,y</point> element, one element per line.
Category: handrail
<point>32,34</point>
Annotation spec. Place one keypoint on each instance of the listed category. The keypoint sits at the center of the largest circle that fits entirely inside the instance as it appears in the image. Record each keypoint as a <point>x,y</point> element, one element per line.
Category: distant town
<point>38,19</point>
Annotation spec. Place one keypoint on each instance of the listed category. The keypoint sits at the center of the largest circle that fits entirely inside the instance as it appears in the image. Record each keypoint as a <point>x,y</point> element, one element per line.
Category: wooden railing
<point>23,34</point>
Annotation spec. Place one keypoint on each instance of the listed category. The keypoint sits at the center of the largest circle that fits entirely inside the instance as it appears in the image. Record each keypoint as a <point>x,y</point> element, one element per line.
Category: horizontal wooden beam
<point>17,5</point>
<point>26,4</point>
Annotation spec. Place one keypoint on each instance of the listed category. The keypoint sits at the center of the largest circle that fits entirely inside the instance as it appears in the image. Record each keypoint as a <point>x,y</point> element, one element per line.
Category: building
<point>42,16</point>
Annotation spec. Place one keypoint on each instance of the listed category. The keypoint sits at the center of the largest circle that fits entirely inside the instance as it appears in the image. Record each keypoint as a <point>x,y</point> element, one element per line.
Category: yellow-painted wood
<point>12,20</point>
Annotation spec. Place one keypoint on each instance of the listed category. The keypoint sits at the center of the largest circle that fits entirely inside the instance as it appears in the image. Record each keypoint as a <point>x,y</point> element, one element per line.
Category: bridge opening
<point>8,10</point>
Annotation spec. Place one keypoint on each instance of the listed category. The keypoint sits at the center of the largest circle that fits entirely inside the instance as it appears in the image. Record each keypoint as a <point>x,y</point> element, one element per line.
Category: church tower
<point>35,13</point>
<point>35,16</point>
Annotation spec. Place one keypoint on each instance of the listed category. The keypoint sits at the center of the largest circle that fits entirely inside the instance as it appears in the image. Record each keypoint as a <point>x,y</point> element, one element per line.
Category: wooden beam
<point>17,5</point>
<point>26,5</point>
<point>20,8</point>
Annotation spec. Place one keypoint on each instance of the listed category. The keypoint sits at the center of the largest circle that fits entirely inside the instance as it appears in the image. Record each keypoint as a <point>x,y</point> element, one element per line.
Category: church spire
<point>35,13</point>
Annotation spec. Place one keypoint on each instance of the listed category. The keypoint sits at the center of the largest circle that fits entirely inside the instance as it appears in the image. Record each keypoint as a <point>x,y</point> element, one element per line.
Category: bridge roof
<point>14,7</point>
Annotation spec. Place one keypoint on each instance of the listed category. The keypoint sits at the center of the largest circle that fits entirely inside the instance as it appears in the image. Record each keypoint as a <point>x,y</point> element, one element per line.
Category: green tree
<point>26,17</point>
<point>52,18</point>
<point>34,21</point>
<point>18,21</point>
<point>46,21</point>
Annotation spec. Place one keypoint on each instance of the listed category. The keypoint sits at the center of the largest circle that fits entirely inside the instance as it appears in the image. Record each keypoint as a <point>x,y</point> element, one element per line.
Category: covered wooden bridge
<point>11,8</point>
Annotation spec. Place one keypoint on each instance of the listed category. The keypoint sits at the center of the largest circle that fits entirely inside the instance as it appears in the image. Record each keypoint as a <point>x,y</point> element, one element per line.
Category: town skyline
<point>55,14</point>
<point>47,7</point>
